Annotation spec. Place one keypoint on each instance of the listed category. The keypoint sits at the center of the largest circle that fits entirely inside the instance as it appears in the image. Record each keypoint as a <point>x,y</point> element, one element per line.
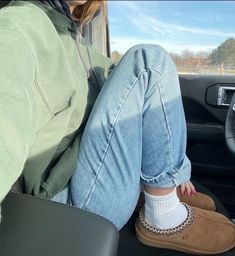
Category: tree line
<point>223,57</point>
<point>224,54</point>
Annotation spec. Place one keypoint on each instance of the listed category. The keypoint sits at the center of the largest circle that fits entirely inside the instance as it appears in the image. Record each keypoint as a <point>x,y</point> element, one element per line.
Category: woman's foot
<point>164,211</point>
<point>203,232</point>
<point>166,222</point>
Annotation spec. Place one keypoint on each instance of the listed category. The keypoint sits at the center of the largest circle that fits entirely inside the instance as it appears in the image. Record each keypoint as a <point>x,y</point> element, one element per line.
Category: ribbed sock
<point>164,212</point>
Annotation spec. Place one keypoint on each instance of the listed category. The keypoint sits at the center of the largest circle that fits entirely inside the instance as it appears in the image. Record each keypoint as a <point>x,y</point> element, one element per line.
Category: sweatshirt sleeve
<point>17,106</point>
<point>102,65</point>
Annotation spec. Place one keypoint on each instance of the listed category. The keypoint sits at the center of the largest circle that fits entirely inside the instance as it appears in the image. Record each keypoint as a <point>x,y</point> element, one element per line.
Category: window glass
<point>199,35</point>
<point>97,33</point>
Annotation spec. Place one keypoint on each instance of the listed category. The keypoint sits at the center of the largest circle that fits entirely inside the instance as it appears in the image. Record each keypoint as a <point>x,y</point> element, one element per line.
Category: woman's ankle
<point>154,191</point>
<point>164,211</point>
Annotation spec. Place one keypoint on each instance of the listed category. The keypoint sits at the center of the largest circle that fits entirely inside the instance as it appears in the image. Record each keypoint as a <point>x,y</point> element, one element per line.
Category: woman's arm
<point>17,106</point>
<point>102,65</point>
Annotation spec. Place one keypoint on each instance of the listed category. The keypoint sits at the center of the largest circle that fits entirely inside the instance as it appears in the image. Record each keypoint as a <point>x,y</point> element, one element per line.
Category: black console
<point>32,226</point>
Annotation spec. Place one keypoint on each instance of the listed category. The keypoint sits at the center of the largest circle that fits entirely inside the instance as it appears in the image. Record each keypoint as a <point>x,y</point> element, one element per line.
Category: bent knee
<point>149,54</point>
<point>149,48</point>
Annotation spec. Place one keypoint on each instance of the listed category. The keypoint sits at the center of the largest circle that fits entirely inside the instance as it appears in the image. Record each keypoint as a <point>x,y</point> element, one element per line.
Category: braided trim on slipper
<point>172,231</point>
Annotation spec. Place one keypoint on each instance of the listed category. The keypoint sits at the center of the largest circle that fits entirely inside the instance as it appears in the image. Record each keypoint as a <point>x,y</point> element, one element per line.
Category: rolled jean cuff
<point>171,178</point>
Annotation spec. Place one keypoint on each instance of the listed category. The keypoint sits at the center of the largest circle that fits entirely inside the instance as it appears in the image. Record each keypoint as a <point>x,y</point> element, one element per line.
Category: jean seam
<point>157,71</point>
<point>153,68</point>
<point>109,139</point>
<point>167,123</point>
<point>165,112</point>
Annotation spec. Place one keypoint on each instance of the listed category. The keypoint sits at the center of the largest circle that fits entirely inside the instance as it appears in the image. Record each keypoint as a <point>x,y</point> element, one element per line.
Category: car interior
<point>34,226</point>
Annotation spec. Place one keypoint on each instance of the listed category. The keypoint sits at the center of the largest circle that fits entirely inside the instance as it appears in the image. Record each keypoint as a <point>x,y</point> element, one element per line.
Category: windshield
<point>199,35</point>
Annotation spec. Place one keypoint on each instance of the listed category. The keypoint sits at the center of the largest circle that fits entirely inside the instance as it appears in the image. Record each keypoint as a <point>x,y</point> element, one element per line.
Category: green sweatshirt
<point>45,97</point>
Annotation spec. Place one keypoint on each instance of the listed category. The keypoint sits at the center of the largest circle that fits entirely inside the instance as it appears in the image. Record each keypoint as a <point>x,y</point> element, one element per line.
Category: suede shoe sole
<point>203,232</point>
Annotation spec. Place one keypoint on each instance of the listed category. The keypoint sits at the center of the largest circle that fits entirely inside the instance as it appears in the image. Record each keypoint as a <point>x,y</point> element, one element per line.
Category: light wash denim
<point>136,132</point>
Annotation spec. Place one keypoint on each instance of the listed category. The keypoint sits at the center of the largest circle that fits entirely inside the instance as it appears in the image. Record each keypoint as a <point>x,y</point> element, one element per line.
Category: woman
<point>132,126</point>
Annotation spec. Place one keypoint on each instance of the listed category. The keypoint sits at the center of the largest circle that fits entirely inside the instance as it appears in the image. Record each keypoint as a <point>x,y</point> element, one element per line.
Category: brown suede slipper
<point>203,232</point>
<point>198,200</point>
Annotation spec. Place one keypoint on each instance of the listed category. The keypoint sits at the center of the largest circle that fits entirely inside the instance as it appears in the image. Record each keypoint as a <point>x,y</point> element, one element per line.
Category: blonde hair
<point>85,13</point>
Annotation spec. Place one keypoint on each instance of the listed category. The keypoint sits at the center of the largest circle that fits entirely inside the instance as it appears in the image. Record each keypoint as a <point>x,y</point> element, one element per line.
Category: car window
<point>199,35</point>
<point>97,32</point>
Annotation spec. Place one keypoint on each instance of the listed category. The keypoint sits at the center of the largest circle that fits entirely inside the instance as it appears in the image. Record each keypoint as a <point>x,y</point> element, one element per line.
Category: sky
<point>199,26</point>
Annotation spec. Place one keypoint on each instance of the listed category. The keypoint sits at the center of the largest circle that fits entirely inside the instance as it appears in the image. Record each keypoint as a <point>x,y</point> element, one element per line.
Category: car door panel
<point>212,163</point>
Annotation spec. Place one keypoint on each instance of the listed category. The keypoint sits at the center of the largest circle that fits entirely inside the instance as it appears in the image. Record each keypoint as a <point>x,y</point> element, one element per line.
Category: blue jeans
<point>135,132</point>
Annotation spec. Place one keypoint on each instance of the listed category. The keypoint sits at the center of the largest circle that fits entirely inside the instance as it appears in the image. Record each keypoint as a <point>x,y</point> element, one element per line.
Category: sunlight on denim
<point>136,132</point>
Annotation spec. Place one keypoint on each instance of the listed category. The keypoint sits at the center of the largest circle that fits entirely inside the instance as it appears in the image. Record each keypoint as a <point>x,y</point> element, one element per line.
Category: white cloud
<point>122,44</point>
<point>174,37</point>
<point>129,4</point>
<point>148,24</point>
<point>207,32</point>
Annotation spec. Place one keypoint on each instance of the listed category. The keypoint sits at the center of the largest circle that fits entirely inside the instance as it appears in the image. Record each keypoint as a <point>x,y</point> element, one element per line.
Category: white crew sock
<point>164,212</point>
